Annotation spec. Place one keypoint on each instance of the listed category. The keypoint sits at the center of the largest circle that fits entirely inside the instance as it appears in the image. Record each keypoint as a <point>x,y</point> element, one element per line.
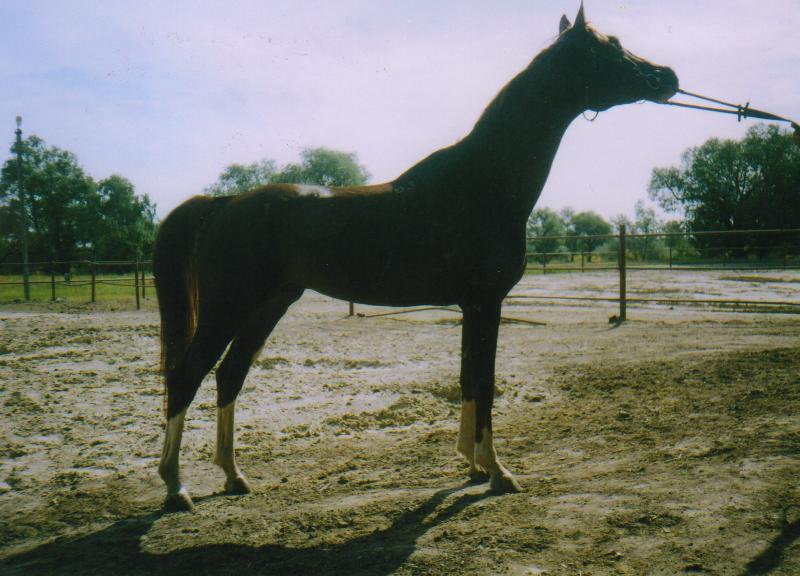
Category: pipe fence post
<point>52,281</point>
<point>351,309</point>
<point>136,284</point>
<point>94,282</point>
<point>582,261</point>
<point>622,274</point>
<point>144,284</point>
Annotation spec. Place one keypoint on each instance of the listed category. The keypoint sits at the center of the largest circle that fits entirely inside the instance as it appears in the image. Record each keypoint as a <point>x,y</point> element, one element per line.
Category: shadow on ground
<point>773,555</point>
<point>116,549</point>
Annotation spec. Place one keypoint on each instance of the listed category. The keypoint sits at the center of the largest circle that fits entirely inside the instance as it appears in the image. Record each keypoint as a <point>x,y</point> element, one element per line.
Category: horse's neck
<point>506,158</point>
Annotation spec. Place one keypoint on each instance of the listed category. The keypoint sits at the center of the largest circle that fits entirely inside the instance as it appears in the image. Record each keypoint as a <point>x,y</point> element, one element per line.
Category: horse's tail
<point>174,269</point>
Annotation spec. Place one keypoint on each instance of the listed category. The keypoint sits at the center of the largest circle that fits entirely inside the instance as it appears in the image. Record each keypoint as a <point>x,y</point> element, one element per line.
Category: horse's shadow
<point>770,558</point>
<point>116,550</point>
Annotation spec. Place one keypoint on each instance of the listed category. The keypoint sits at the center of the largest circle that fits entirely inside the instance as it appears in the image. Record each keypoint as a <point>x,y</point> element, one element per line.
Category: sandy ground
<point>668,445</point>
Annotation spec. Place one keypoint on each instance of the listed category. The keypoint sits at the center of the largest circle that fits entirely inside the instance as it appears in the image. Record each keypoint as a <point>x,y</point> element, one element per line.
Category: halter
<point>740,111</point>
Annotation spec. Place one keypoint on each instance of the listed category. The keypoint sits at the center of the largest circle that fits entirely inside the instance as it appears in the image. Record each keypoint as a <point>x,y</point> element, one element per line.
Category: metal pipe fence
<point>93,280</point>
<point>627,253</point>
<point>726,250</point>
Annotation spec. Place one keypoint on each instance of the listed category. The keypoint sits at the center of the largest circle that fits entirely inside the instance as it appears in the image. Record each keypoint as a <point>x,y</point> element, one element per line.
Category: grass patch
<point>108,288</point>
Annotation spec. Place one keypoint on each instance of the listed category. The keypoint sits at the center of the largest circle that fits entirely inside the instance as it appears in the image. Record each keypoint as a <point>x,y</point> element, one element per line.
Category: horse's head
<point>606,73</point>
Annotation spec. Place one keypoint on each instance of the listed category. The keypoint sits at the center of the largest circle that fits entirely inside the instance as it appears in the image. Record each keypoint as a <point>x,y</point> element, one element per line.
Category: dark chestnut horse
<point>450,230</point>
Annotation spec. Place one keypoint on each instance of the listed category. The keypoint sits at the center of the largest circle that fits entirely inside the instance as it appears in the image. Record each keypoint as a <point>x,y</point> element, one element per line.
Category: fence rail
<point>728,250</point>
<point>639,252</point>
<point>128,278</point>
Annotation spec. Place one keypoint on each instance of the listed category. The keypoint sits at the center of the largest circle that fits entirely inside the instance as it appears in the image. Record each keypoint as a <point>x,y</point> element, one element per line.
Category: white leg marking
<point>169,468</point>
<point>226,458</point>
<point>466,438</point>
<point>486,457</point>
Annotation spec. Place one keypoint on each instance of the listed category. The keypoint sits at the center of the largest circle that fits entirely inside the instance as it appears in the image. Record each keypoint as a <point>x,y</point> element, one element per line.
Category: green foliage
<point>123,224</point>
<point>71,216</point>
<point>544,223</point>
<point>587,225</point>
<point>320,166</point>
<point>324,167</point>
<point>238,178</point>
<point>753,183</point>
<point>575,233</point>
<point>646,221</point>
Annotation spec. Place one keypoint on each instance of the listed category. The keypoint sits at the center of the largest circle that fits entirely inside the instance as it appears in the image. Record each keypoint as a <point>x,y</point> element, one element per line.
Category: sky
<point>168,94</point>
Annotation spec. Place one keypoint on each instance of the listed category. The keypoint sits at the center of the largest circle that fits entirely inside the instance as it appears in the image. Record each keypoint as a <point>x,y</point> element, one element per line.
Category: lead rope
<point>737,109</point>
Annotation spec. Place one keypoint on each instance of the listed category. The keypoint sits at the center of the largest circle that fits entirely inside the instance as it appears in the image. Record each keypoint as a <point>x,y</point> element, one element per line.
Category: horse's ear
<point>564,25</point>
<point>580,19</point>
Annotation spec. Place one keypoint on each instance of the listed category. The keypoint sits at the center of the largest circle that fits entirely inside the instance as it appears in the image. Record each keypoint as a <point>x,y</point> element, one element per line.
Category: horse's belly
<point>380,286</point>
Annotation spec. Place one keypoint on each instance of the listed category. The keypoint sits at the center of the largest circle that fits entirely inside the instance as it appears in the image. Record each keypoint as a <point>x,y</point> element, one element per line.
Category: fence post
<point>52,281</point>
<point>136,284</point>
<point>351,309</point>
<point>582,260</point>
<point>94,282</point>
<point>622,263</point>
<point>670,257</point>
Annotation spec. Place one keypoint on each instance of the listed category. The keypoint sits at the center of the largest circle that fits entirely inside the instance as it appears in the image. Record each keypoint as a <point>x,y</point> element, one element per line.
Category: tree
<point>320,166</point>
<point>543,224</point>
<point>67,211</point>
<point>587,226</point>
<point>324,167</point>
<point>646,222</point>
<point>753,183</point>
<point>678,243</point>
<point>123,224</point>
<point>238,178</point>
<point>58,194</point>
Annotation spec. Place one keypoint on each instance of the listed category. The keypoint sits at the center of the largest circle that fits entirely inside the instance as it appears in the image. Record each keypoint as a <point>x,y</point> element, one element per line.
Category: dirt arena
<point>667,445</point>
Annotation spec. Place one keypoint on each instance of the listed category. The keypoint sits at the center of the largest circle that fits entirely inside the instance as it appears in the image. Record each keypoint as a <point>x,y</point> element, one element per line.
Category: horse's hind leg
<point>230,378</point>
<point>183,381</point>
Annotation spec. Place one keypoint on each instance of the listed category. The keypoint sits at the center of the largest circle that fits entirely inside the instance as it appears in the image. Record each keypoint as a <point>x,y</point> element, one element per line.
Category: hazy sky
<point>169,93</point>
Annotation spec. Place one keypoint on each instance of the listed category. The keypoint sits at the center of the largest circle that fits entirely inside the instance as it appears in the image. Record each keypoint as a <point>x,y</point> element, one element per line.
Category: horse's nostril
<point>653,81</point>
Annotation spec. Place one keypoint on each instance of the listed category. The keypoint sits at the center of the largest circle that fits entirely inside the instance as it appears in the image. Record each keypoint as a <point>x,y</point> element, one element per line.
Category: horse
<point>448,231</point>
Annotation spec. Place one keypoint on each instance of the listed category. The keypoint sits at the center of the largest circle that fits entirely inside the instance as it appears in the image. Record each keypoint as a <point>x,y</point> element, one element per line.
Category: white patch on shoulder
<point>314,191</point>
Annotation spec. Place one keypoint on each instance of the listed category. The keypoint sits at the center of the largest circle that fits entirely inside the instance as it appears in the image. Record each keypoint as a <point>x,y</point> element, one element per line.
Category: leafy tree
<point>320,166</point>
<point>646,222</point>
<point>544,223</point>
<point>678,244</point>
<point>324,167</point>
<point>58,194</point>
<point>67,211</point>
<point>753,183</point>
<point>238,178</point>
<point>123,224</point>
<point>585,226</point>
<point>570,241</point>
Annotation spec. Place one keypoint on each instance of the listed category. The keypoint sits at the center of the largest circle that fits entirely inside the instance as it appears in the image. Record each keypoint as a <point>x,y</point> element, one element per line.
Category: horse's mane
<point>498,105</point>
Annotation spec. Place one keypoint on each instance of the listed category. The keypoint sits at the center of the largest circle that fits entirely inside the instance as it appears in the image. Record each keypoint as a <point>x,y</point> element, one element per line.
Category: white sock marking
<point>226,458</point>
<point>169,468</point>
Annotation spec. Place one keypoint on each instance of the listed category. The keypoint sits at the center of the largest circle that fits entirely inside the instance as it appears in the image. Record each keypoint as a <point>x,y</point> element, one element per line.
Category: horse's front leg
<point>478,349</point>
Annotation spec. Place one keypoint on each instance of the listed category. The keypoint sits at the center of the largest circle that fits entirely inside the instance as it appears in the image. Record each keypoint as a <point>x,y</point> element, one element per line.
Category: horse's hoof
<point>478,476</point>
<point>178,502</point>
<point>238,486</point>
<point>504,484</point>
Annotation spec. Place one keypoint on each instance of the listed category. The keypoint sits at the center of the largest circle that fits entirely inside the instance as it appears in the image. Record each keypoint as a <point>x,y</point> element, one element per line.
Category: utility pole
<point>23,212</point>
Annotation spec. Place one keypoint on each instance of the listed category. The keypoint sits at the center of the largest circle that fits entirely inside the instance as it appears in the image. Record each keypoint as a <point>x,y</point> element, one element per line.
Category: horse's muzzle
<point>663,82</point>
